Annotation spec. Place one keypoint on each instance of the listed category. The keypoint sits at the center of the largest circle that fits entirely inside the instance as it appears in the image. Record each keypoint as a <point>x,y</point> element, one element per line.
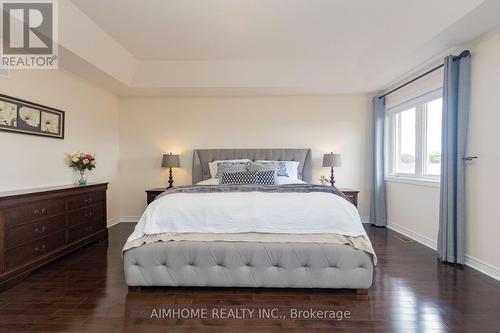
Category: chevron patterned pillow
<point>266,178</point>
<point>245,177</point>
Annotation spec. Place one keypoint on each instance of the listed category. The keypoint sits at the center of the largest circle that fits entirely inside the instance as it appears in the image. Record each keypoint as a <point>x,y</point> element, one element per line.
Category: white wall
<point>484,138</point>
<point>415,209</point>
<point>150,127</point>
<point>91,126</point>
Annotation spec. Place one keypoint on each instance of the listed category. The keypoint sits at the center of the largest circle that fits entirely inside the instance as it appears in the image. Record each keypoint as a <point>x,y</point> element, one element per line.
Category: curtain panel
<point>378,211</point>
<point>452,214</point>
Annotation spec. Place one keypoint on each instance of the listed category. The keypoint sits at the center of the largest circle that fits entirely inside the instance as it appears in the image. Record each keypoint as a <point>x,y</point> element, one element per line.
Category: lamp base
<point>332,178</point>
<point>170,179</point>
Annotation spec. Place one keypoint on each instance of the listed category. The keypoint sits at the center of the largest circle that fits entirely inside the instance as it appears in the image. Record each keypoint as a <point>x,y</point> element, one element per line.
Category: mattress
<point>248,264</point>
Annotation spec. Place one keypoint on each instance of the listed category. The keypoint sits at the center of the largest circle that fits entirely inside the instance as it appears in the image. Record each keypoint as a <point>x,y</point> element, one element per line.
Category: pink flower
<point>92,162</point>
<point>86,161</point>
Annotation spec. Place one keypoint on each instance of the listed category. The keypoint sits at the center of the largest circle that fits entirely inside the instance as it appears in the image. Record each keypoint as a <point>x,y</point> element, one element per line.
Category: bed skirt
<point>248,264</point>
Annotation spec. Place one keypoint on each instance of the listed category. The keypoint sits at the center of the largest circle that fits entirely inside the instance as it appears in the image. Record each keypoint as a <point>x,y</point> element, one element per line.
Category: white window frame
<point>419,177</point>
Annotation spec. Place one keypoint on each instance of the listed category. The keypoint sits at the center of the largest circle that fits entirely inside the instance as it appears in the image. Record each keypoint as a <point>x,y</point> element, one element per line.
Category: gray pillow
<point>280,167</point>
<point>230,167</point>
<point>261,166</point>
<point>268,167</point>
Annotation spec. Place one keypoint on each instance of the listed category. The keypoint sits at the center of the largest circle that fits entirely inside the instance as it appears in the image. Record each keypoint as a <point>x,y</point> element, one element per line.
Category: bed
<point>283,236</point>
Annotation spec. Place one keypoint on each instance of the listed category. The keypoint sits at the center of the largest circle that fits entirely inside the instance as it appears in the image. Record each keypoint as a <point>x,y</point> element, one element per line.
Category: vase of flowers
<point>82,162</point>
<point>323,180</point>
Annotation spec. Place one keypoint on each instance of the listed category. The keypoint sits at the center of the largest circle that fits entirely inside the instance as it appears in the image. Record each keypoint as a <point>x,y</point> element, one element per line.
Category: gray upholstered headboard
<point>201,158</point>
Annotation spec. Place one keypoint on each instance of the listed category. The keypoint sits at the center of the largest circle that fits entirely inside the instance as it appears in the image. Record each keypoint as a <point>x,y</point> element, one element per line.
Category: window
<point>413,140</point>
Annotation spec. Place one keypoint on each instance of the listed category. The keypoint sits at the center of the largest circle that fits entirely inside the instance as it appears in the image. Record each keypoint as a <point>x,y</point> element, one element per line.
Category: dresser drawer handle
<point>39,231</point>
<point>88,215</point>
<point>39,211</point>
<point>87,200</point>
<point>89,228</point>
<point>40,249</point>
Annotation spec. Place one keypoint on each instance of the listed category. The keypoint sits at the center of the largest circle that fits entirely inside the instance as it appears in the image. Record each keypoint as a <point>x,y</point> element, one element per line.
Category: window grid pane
<point>405,142</point>
<point>433,138</point>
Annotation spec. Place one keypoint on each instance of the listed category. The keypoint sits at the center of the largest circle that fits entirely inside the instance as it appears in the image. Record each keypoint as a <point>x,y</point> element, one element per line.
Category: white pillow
<point>292,168</point>
<point>213,165</point>
<point>211,181</point>
<point>287,180</point>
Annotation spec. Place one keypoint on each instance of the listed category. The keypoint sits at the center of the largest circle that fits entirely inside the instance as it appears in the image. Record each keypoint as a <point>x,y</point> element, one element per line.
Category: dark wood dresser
<point>40,225</point>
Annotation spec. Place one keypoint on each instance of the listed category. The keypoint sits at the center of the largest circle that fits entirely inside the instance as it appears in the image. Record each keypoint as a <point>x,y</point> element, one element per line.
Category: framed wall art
<point>20,116</point>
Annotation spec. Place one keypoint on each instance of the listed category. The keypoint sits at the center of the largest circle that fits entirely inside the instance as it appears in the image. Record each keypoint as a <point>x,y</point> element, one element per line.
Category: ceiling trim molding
<point>89,51</point>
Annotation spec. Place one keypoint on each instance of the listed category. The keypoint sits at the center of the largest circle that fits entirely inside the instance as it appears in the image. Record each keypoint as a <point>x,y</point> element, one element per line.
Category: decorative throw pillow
<point>261,166</point>
<point>266,178</point>
<point>229,167</point>
<point>245,177</point>
<point>281,170</point>
<point>285,168</point>
<point>212,166</point>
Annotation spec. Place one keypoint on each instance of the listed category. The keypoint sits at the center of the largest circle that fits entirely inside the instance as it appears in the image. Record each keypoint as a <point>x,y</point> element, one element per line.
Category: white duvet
<point>250,212</point>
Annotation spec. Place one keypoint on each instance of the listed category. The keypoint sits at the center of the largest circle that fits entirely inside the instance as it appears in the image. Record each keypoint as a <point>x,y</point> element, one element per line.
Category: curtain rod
<point>463,54</point>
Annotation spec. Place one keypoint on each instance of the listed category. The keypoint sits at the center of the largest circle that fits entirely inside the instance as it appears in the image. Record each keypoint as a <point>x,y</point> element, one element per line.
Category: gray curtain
<point>378,212</point>
<point>456,92</point>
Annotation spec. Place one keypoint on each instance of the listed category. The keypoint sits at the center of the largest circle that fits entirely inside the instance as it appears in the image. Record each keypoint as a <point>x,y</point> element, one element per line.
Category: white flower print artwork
<point>30,117</point>
<point>8,114</point>
<point>50,123</point>
<point>20,116</point>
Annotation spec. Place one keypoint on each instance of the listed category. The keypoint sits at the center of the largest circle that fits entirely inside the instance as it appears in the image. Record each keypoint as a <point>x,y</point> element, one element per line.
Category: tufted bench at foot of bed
<point>247,264</point>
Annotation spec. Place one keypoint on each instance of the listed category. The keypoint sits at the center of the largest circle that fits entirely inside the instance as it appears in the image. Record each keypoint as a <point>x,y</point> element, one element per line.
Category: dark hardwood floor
<point>412,292</point>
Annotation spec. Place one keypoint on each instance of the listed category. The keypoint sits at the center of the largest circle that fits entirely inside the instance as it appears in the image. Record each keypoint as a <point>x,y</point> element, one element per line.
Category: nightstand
<point>153,193</point>
<point>352,195</point>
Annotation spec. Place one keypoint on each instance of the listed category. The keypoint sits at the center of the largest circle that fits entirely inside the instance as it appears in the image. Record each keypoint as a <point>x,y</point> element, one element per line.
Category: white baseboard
<point>129,219</point>
<point>365,219</point>
<point>470,261</point>
<point>483,267</point>
<point>113,221</point>
<point>123,219</point>
<point>424,240</point>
